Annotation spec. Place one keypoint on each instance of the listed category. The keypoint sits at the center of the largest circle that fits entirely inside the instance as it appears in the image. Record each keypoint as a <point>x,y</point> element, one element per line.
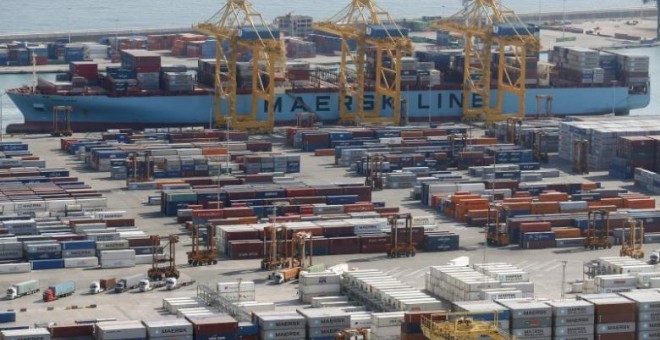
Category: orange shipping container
<point>518,206</point>
<point>324,152</point>
<point>639,203</point>
<point>609,208</point>
<point>553,197</point>
<point>484,141</point>
<point>589,186</point>
<point>163,182</point>
<point>412,134</point>
<point>566,232</point>
<point>615,201</point>
<point>214,151</point>
<point>545,208</point>
<point>481,213</point>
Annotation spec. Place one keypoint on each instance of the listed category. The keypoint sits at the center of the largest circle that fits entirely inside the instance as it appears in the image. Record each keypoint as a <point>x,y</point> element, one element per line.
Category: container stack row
<point>481,282</point>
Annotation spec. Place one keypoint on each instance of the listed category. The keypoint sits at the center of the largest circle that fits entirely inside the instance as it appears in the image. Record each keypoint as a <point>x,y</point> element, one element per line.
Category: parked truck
<point>59,290</point>
<point>128,283</point>
<point>102,285</point>
<point>22,288</point>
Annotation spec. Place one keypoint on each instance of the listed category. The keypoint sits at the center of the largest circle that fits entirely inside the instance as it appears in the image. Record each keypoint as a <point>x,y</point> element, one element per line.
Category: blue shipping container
<point>6,317</point>
<point>47,264</point>
<point>341,199</point>
<point>75,245</point>
<point>44,255</point>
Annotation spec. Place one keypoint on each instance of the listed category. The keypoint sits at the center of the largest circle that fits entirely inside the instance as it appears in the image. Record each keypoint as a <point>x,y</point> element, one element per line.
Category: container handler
<point>598,230</point>
<point>497,232</point>
<point>633,246</point>
<point>202,254</point>
<point>398,247</point>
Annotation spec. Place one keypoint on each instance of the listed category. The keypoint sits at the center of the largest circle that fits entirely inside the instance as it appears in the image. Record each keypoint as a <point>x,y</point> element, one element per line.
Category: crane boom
<point>238,29</point>
<point>377,37</point>
<point>490,28</point>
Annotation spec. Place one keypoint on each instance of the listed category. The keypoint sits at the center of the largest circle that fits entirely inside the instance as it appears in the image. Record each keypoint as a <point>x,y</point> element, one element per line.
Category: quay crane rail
<point>237,27</point>
<point>364,22</point>
<point>488,25</point>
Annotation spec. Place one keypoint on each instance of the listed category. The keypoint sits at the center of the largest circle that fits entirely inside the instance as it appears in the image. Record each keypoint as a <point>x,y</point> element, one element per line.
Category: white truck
<point>22,288</point>
<point>655,256</point>
<point>128,283</point>
<point>170,284</point>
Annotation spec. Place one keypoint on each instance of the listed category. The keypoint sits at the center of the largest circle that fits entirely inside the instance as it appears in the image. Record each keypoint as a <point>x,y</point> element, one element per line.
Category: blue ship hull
<point>98,112</point>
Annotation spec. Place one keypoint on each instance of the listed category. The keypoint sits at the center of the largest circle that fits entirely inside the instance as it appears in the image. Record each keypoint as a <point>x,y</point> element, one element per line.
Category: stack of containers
<point>95,51</point>
<point>146,65</point>
<point>38,54</point>
<point>166,329</point>
<point>280,325</point>
<point>322,323</point>
<point>79,253</point>
<point>615,283</point>
<point>647,312</point>
<point>633,152</point>
<point>386,326</point>
<point>608,62</point>
<point>74,52</point>
<point>117,330</point>
<point>177,82</point>
<point>572,319</point>
<point>11,250</point>
<point>458,283</point>
<point>510,276</point>
<point>529,319</point>
<point>634,69</point>
<point>311,285</point>
<point>236,291</point>
<point>615,316</point>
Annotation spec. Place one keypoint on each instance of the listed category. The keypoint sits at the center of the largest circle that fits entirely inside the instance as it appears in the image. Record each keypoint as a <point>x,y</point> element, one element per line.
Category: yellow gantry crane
<point>487,26</point>
<point>364,22</point>
<point>240,28</point>
<point>461,326</point>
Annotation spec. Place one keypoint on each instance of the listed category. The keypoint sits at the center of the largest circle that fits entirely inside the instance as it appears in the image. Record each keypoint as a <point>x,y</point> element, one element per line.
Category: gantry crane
<point>159,272</point>
<point>461,326</point>
<point>633,245</point>
<point>487,25</point>
<point>374,172</point>
<point>497,233</point>
<point>598,230</point>
<point>202,253</point>
<point>400,246</point>
<point>240,28</point>
<point>370,26</point>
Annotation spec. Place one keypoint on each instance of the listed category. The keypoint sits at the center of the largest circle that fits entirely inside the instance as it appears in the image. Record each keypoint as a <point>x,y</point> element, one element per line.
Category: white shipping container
<point>81,262</point>
<point>13,268</point>
<point>121,263</point>
<point>326,289</point>
<point>168,328</point>
<point>144,259</point>
<point>118,330</point>
<point>238,296</point>
<point>233,287</point>
<point>620,327</point>
<point>392,319</point>
<point>125,254</point>
<point>25,334</point>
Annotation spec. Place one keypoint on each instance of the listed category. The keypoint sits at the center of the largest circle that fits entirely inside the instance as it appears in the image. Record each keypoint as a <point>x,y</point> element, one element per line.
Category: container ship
<point>143,93</point>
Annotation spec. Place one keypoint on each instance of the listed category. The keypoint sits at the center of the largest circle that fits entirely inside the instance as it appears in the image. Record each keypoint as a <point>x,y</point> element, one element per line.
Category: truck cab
<point>145,285</point>
<point>170,283</point>
<point>119,287</point>
<point>12,293</point>
<point>95,287</point>
<point>655,256</point>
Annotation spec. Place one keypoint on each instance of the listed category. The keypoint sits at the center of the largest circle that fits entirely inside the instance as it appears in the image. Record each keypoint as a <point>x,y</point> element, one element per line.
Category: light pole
<point>613,97</point>
<point>227,123</point>
<point>563,20</point>
<point>430,105</point>
<point>2,130</point>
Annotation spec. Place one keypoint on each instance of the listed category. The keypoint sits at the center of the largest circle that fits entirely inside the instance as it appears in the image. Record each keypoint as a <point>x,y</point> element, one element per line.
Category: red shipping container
<point>214,325</point>
<point>329,190</point>
<point>209,213</point>
<point>300,192</point>
<point>363,192</point>
<point>246,249</point>
<point>245,234</point>
<point>139,242</point>
<point>377,243</point>
<point>531,227</point>
<point>238,212</point>
<point>71,331</point>
<point>615,336</point>
<point>119,222</point>
<point>344,245</point>
<point>357,207</point>
<point>308,200</point>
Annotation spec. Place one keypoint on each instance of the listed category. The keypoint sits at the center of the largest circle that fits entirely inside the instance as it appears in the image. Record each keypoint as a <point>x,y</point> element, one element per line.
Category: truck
<point>286,275</point>
<point>128,283</point>
<point>170,283</point>
<point>59,290</point>
<point>655,256</point>
<point>102,285</point>
<point>22,288</point>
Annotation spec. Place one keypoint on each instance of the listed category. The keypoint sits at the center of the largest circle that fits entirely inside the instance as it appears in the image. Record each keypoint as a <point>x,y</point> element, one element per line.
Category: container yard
<point>177,220</point>
<point>102,197</point>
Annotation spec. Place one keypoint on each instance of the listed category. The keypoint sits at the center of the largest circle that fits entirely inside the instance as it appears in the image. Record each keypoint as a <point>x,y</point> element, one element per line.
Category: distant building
<point>293,25</point>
